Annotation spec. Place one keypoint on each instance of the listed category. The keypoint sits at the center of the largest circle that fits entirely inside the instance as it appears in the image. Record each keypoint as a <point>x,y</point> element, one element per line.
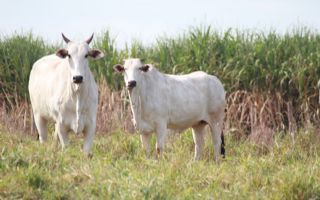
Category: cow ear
<point>62,53</point>
<point>118,68</point>
<point>95,54</point>
<point>145,68</point>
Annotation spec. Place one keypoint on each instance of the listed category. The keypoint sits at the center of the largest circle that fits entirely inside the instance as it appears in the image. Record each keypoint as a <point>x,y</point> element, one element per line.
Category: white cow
<point>62,88</point>
<point>160,101</point>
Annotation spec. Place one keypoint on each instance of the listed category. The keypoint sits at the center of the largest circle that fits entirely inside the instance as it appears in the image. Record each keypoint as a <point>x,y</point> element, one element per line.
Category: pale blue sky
<point>146,19</point>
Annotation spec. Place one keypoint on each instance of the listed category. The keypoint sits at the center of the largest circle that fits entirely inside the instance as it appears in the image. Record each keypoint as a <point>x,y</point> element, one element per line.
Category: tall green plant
<point>244,60</point>
<point>17,55</point>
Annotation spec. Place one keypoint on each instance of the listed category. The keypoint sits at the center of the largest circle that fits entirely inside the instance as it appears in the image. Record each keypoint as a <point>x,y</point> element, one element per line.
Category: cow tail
<point>222,151</point>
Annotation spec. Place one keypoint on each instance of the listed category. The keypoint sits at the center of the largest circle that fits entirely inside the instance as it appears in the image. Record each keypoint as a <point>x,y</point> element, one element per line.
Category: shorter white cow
<point>62,89</point>
<point>160,101</point>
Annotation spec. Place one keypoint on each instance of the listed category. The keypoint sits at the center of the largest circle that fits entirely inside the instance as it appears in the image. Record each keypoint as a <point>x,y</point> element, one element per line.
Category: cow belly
<point>187,117</point>
<point>181,125</point>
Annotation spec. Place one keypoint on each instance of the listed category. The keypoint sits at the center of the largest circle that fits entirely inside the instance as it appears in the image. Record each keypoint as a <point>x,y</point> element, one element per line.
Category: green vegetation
<point>17,55</point>
<point>252,61</point>
<point>285,66</point>
<point>120,170</point>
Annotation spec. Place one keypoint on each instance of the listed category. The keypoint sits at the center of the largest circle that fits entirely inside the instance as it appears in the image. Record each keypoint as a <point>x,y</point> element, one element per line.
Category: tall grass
<point>284,69</point>
<point>17,55</point>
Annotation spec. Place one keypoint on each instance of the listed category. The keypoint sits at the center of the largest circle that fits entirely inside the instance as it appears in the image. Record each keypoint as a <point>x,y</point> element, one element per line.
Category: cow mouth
<point>130,88</point>
<point>76,86</point>
<point>77,82</point>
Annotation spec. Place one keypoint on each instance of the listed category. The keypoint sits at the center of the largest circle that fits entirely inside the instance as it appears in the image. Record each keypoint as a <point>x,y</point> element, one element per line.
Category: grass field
<point>290,169</point>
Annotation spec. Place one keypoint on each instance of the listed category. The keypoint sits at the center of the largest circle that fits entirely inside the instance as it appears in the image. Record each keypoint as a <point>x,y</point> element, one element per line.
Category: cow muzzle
<point>131,85</point>
<point>77,79</point>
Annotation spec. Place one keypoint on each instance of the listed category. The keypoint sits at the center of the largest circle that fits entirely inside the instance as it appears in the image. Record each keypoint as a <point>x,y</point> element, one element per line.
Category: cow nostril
<point>132,84</point>
<point>77,79</point>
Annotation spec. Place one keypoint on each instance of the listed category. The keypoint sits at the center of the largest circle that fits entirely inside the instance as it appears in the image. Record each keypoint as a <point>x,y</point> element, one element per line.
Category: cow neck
<point>135,104</point>
<point>140,95</point>
<point>78,94</point>
<point>150,85</point>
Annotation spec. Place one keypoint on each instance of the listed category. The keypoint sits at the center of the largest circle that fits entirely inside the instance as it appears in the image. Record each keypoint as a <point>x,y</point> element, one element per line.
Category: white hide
<point>160,101</point>
<point>55,97</point>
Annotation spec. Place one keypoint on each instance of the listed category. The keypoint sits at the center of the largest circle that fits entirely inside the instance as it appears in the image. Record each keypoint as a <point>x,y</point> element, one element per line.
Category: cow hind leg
<point>41,124</point>
<point>198,133</point>
<point>216,125</point>
<point>145,140</point>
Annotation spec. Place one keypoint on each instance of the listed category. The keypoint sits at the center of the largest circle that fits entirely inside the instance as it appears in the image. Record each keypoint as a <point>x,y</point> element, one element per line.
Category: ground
<point>119,169</point>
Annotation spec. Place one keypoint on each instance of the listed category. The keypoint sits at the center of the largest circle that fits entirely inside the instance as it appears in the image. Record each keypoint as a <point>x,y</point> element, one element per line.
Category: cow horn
<point>90,39</point>
<point>65,38</point>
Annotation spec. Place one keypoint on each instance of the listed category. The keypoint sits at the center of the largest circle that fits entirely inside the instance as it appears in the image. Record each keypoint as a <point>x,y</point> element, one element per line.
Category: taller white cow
<point>62,89</point>
<point>160,101</point>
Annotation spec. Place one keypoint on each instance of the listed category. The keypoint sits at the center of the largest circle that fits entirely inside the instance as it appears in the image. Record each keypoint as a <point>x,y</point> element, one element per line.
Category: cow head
<point>77,54</point>
<point>133,71</point>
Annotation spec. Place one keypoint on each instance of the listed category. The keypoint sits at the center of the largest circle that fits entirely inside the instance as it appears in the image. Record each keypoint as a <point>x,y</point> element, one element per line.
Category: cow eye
<point>86,56</point>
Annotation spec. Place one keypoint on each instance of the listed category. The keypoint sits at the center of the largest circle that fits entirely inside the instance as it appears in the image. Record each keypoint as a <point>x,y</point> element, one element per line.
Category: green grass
<point>120,170</point>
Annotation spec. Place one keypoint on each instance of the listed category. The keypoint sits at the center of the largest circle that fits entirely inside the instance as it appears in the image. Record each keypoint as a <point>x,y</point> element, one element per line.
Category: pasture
<point>119,169</point>
<point>271,126</point>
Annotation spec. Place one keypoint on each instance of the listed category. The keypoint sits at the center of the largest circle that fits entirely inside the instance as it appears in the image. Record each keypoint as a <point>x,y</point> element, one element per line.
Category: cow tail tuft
<point>223,151</point>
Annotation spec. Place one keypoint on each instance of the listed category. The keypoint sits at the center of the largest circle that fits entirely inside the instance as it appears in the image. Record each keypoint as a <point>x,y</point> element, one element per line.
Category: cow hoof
<point>89,155</point>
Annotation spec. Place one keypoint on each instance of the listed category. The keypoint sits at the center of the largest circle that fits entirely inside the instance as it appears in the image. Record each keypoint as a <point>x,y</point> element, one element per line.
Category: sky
<point>146,20</point>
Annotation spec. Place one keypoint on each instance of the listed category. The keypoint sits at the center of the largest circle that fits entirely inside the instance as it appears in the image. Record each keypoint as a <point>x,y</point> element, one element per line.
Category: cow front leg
<point>89,133</point>
<point>161,133</point>
<point>145,140</point>
<point>56,137</point>
<point>61,131</point>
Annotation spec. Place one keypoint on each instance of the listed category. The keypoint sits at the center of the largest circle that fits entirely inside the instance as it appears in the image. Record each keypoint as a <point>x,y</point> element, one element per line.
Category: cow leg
<point>62,134</point>
<point>216,125</point>
<point>89,133</point>
<point>198,137</point>
<point>161,133</point>
<point>41,124</point>
<point>145,140</point>
<point>56,136</point>
<point>216,138</point>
